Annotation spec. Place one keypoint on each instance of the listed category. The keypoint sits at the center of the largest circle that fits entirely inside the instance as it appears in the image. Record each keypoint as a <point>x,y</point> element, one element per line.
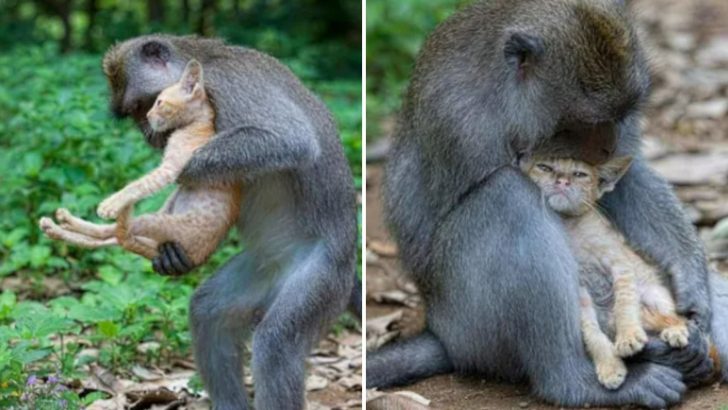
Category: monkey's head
<point>572,187</point>
<point>581,65</point>
<point>137,70</point>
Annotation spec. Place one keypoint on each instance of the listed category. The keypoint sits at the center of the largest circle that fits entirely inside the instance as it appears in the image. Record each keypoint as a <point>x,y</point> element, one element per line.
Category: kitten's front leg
<point>631,336</point>
<point>155,181</point>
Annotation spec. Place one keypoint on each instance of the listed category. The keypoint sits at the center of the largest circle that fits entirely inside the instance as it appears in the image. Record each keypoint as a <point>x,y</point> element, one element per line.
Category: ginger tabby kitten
<point>641,300</point>
<point>198,218</point>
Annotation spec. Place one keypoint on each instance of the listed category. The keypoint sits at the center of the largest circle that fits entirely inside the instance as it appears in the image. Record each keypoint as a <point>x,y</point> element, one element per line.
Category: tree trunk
<point>185,12</point>
<point>204,24</point>
<point>155,12</point>
<point>91,10</point>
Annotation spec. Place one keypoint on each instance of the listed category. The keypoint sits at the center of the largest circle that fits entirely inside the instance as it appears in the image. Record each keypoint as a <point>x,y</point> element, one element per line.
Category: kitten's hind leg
<point>54,231</point>
<point>672,328</point>
<point>610,368</point>
<point>69,222</point>
<point>128,233</point>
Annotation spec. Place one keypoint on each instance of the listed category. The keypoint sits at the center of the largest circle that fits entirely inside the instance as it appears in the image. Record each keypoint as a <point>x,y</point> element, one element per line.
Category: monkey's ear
<point>611,172</point>
<point>156,53</point>
<point>192,77</point>
<point>521,51</point>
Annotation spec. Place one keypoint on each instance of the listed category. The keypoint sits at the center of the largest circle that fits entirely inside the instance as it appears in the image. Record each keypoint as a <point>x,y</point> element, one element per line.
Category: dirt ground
<point>686,140</point>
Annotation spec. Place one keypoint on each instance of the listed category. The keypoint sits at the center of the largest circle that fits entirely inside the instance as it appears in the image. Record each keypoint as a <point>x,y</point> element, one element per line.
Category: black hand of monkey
<point>171,260</point>
<point>693,360</point>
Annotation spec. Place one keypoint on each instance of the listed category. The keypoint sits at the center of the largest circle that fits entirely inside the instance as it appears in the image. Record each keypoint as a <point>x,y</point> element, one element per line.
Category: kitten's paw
<point>110,208</point>
<point>48,227</point>
<point>630,341</point>
<point>675,336</point>
<point>611,373</point>
<point>63,216</point>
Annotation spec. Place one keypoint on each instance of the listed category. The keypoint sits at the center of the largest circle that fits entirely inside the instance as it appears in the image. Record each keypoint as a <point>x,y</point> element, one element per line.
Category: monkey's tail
<point>355,299</point>
<point>407,361</point>
<point>719,287</point>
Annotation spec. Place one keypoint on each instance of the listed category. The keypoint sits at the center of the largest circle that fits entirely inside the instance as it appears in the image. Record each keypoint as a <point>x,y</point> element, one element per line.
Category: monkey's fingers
<point>172,260</point>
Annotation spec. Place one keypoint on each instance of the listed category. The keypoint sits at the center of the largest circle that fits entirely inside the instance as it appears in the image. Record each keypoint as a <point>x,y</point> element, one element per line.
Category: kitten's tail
<point>407,361</point>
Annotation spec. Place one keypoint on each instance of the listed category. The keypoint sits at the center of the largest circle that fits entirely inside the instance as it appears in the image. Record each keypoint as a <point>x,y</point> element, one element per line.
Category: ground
<point>686,140</point>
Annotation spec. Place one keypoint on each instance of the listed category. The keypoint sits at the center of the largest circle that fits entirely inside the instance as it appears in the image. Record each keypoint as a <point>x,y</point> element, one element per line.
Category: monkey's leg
<point>56,232</point>
<point>70,222</point>
<point>311,297</point>
<point>644,207</point>
<point>610,368</point>
<point>719,287</point>
<point>506,300</point>
<point>222,312</point>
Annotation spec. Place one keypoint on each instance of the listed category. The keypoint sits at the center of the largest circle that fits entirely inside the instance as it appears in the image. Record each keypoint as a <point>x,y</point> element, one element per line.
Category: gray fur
<point>298,216</point>
<point>498,79</point>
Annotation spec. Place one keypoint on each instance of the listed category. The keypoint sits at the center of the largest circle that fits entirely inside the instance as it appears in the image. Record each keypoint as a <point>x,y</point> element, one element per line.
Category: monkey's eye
<point>579,174</point>
<point>545,168</point>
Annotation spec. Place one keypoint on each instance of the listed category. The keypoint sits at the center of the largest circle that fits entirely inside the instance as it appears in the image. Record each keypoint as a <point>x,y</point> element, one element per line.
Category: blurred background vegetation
<point>63,308</point>
<point>395,32</point>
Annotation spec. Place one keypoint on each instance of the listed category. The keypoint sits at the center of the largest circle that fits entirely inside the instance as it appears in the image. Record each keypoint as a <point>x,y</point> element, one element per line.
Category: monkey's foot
<point>675,336</point>
<point>630,341</point>
<point>611,373</point>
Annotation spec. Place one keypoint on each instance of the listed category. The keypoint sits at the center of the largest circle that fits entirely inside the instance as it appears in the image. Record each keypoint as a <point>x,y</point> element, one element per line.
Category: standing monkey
<point>498,279</point>
<point>297,221</point>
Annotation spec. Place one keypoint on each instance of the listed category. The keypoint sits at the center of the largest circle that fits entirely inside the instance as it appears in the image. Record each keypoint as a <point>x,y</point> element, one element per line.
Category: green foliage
<point>325,36</point>
<point>59,147</point>
<point>395,33</point>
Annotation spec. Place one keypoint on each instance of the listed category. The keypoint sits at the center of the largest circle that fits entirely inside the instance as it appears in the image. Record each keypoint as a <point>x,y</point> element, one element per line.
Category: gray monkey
<point>297,221</point>
<point>498,79</point>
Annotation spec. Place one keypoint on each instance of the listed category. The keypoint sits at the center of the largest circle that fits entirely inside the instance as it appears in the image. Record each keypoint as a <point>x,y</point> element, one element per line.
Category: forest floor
<point>686,140</point>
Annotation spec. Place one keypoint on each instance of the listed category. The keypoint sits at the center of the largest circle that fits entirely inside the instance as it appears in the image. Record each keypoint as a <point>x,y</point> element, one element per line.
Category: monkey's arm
<point>244,152</point>
<point>646,210</point>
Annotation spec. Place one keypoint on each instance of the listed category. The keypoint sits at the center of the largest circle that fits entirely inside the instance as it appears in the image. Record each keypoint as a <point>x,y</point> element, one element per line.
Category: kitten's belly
<point>205,200</point>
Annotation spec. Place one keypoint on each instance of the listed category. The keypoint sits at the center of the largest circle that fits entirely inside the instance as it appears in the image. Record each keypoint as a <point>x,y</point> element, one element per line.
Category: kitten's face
<point>174,108</point>
<point>570,187</point>
<point>181,103</point>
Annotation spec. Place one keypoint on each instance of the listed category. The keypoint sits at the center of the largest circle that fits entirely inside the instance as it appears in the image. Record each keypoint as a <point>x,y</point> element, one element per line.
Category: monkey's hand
<point>693,303</point>
<point>172,260</point>
<point>693,360</point>
<point>112,206</point>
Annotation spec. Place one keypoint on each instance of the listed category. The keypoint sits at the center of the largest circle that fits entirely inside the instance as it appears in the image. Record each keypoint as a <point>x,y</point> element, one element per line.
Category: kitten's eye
<point>579,174</point>
<point>545,168</point>
<point>159,102</point>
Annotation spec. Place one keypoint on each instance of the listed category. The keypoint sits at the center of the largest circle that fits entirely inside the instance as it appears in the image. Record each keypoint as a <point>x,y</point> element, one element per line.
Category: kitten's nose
<point>562,182</point>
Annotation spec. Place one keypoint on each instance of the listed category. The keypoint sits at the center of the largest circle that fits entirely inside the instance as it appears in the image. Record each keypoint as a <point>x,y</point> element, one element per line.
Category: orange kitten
<point>198,218</point>
<point>641,301</point>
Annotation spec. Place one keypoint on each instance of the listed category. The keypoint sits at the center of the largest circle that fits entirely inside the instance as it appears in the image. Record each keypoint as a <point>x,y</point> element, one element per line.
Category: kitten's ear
<point>191,80</point>
<point>524,161</point>
<point>521,51</point>
<point>611,172</point>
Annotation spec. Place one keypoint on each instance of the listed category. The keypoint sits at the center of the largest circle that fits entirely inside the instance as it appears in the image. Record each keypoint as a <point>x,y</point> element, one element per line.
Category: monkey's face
<point>137,70</point>
<point>587,78</point>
